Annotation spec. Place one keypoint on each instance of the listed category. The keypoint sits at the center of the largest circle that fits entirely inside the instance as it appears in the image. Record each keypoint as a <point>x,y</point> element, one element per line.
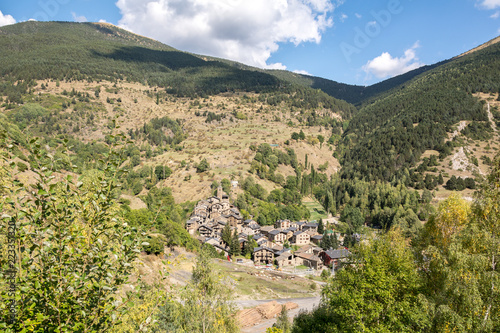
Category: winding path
<point>490,117</point>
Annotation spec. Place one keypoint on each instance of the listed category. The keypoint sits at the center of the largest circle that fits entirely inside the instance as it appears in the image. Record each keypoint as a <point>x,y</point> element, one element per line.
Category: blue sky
<point>350,41</point>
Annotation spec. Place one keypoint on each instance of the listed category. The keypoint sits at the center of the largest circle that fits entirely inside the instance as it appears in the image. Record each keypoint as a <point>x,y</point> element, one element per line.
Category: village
<point>282,246</point>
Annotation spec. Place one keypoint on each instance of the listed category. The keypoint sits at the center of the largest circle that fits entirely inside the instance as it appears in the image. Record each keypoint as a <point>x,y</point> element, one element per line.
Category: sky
<point>350,41</point>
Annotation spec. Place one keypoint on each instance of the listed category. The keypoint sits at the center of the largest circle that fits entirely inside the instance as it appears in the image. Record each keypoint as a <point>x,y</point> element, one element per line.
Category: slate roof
<point>308,256</point>
<point>255,249</point>
<point>205,226</point>
<point>338,254</point>
<point>284,256</point>
<point>258,236</point>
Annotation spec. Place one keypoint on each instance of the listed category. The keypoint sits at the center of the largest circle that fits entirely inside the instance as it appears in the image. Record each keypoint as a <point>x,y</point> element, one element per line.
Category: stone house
<point>263,255</point>
<point>310,260</point>
<point>334,257</point>
<point>285,259</point>
<point>316,239</point>
<point>297,225</point>
<point>310,226</point>
<point>206,231</point>
<point>282,224</point>
<point>212,241</point>
<point>277,236</point>
<point>305,249</point>
<point>266,229</point>
<point>300,238</point>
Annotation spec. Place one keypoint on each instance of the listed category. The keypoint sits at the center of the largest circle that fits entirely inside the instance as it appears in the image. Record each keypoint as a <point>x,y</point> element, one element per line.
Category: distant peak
<point>480,47</point>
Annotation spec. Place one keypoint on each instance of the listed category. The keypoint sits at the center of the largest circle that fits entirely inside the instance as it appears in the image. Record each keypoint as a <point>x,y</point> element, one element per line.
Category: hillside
<point>87,82</point>
<point>90,78</point>
<point>82,81</point>
<point>95,51</point>
<point>390,134</point>
<point>357,95</point>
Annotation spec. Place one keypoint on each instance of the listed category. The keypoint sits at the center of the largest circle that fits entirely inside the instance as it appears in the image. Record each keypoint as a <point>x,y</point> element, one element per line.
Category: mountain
<point>387,137</point>
<point>359,95</point>
<point>93,51</point>
<point>82,79</point>
<point>99,51</point>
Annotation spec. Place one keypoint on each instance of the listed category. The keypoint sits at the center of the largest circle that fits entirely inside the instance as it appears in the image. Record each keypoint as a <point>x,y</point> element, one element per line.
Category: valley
<point>185,188</point>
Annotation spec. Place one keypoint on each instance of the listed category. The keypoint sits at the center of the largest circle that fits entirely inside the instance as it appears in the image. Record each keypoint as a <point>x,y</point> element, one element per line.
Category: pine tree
<point>226,234</point>
<point>440,179</point>
<point>334,241</point>
<point>248,250</point>
<point>321,227</point>
<point>235,244</point>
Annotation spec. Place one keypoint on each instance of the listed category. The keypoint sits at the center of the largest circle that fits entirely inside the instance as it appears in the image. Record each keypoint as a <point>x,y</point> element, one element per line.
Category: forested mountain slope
<point>354,94</point>
<point>95,51</point>
<point>388,136</point>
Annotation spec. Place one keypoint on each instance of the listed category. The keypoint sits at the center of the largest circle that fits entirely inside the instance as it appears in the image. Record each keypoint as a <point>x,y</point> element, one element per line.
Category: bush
<point>155,245</point>
<point>202,166</point>
<point>61,274</point>
<point>325,274</point>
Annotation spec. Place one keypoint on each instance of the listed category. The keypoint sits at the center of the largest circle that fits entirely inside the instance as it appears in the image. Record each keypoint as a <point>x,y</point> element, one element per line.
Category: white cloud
<point>241,30</point>
<point>386,65</point>
<point>358,15</point>
<point>103,21</point>
<point>496,15</point>
<point>6,19</point>
<point>77,18</point>
<point>489,4</point>
<point>343,17</point>
<point>301,71</point>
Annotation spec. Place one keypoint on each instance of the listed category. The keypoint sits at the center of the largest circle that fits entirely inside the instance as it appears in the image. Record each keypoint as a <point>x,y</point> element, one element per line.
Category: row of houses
<point>308,255</point>
<point>211,216</point>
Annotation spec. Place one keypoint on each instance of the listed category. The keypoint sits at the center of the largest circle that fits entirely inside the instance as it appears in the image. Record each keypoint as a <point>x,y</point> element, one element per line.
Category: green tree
<point>226,234</point>
<point>226,185</point>
<point>202,166</point>
<point>461,261</point>
<point>321,139</point>
<point>321,227</point>
<point>162,172</point>
<point>73,249</point>
<point>282,321</point>
<point>249,246</point>
<point>379,291</point>
<point>235,245</point>
<point>426,196</point>
<point>204,305</point>
<point>353,216</point>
